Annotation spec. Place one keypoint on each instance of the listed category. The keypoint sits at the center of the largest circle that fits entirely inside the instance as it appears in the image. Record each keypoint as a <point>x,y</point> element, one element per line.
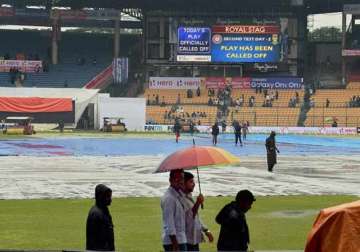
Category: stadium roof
<point>312,6</point>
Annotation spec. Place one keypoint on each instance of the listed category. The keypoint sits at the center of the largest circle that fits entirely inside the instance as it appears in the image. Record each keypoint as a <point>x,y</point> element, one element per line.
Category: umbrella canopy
<point>197,156</point>
<point>336,229</point>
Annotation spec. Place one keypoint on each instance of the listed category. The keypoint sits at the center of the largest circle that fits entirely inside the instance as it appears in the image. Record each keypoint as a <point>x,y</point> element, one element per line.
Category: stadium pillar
<point>162,37</point>
<point>117,39</point>
<point>343,46</point>
<point>56,30</point>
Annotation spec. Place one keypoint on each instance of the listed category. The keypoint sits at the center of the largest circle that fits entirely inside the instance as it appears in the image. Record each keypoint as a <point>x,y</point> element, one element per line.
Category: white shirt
<point>193,225</point>
<point>173,216</point>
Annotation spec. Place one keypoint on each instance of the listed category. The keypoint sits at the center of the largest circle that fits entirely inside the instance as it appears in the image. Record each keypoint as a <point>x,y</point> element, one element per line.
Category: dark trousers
<point>238,138</point>
<point>214,139</point>
<point>192,247</point>
<point>182,247</point>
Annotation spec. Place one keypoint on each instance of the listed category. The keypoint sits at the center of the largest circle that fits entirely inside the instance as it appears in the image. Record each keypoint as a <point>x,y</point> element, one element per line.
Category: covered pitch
<point>69,167</point>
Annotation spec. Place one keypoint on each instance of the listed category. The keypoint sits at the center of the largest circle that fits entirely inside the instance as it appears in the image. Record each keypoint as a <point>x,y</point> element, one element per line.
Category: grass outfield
<point>280,222</point>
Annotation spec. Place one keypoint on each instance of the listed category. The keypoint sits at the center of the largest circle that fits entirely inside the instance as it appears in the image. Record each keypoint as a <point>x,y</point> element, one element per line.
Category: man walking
<point>99,225</point>
<point>234,231</point>
<point>195,229</point>
<point>173,214</point>
<point>237,132</point>
<point>177,128</point>
<point>271,150</point>
<point>215,133</point>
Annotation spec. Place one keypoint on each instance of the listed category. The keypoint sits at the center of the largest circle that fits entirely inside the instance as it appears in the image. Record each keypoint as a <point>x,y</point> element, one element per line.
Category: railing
<point>101,80</point>
<point>319,117</point>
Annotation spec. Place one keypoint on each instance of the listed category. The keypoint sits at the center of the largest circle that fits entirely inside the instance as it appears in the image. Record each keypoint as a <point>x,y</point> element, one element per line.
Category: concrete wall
<point>328,50</point>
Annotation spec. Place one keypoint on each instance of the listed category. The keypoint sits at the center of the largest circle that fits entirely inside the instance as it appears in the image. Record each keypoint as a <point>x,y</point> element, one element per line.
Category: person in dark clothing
<point>271,150</point>
<point>61,126</point>
<point>223,126</point>
<point>234,231</point>
<point>191,127</point>
<point>198,92</point>
<point>99,225</point>
<point>237,132</point>
<point>215,133</point>
<point>244,130</point>
<point>177,128</point>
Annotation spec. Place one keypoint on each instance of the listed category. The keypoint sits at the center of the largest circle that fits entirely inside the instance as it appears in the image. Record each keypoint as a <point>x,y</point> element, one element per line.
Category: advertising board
<point>194,44</point>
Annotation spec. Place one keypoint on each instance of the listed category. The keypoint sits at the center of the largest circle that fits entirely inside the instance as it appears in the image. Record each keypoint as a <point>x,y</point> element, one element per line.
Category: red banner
<point>246,29</point>
<point>25,66</point>
<point>35,104</point>
<point>241,82</point>
<point>351,53</point>
<point>215,82</point>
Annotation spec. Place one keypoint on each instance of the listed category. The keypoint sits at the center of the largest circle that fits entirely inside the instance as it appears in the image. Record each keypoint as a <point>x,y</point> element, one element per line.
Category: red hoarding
<point>246,29</point>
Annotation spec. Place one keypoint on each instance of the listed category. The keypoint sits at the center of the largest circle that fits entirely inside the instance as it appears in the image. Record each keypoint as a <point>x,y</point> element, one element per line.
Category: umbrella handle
<point>198,176</point>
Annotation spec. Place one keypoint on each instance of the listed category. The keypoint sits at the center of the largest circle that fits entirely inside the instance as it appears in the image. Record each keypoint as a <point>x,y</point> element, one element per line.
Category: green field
<point>280,222</point>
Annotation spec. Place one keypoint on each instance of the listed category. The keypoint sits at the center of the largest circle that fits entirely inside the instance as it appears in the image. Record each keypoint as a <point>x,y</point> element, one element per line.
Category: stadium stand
<point>354,85</point>
<point>259,116</point>
<point>278,115</point>
<point>340,108</point>
<point>77,52</point>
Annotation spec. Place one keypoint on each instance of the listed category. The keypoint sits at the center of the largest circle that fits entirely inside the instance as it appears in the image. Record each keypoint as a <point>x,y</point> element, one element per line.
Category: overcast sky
<point>330,19</point>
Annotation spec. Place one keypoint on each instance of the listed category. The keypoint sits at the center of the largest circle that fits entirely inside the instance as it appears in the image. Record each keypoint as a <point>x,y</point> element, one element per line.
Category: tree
<point>326,33</point>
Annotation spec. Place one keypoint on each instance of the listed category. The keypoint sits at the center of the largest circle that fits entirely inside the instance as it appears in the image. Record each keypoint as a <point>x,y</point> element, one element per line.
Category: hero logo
<point>217,39</point>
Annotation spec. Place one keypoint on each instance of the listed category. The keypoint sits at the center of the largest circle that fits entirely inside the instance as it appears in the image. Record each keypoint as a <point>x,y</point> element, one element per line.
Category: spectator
<point>223,125</point>
<point>297,97</point>
<point>148,100</point>
<point>189,93</point>
<point>334,124</point>
<point>45,66</point>
<point>234,232</point>
<point>163,101</point>
<point>99,225</point>
<point>173,214</point>
<point>194,227</point>
<point>157,99</point>
<point>277,95</point>
<point>178,99</point>
<point>94,62</point>
<point>327,102</point>
<point>22,78</point>
<point>66,84</point>
<point>312,103</point>
<point>210,102</point>
<point>198,93</point>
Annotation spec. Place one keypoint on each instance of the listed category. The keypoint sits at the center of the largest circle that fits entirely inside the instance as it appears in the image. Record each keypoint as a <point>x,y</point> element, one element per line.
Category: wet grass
<point>280,222</point>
